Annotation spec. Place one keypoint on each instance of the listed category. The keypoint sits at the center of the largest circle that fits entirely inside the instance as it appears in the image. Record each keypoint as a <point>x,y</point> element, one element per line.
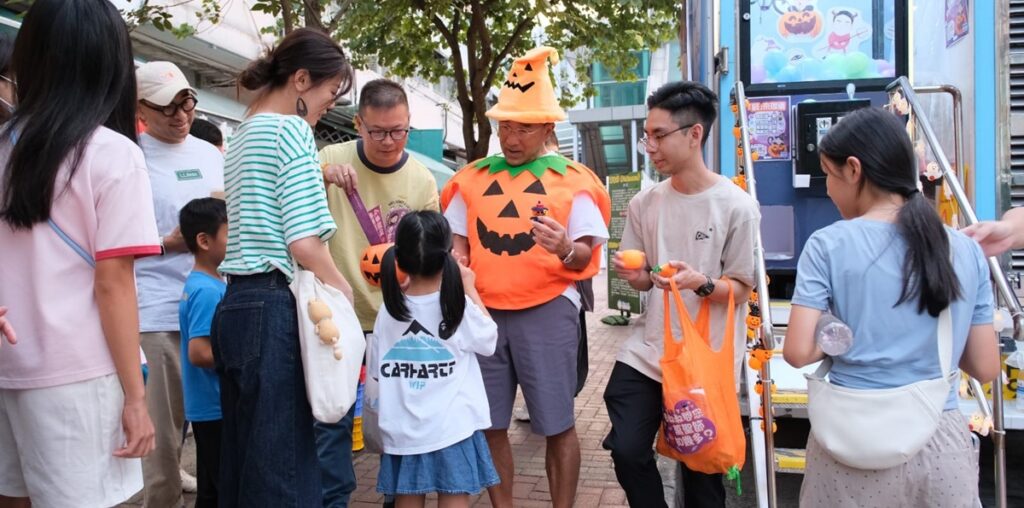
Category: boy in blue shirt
<point>204,225</point>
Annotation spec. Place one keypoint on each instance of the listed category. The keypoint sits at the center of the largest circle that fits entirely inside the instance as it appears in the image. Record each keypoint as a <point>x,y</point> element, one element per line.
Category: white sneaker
<point>188,482</point>
<point>521,414</point>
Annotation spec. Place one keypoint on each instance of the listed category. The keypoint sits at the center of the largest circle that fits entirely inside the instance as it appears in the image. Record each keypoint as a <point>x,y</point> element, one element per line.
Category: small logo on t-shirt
<point>418,358</point>
<point>188,174</point>
<point>701,235</point>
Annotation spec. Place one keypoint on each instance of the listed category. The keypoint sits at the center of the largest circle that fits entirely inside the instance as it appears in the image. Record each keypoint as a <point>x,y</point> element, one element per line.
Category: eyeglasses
<point>396,134</point>
<point>651,143</point>
<point>505,129</point>
<point>187,105</point>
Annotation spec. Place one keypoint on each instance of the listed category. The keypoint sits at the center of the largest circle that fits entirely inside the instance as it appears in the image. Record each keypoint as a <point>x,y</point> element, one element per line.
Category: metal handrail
<point>902,85</point>
<point>958,130</point>
<point>763,300</point>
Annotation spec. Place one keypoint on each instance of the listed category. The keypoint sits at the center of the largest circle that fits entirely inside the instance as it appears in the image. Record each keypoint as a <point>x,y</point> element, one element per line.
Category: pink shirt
<point>107,209</point>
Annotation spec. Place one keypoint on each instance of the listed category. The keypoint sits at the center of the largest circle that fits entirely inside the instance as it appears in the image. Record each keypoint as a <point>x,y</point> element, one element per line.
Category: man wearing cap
<point>530,223</point>
<point>181,168</point>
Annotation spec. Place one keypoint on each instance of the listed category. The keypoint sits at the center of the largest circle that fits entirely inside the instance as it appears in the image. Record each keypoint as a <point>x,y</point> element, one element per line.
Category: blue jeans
<point>268,452</point>
<point>334,446</point>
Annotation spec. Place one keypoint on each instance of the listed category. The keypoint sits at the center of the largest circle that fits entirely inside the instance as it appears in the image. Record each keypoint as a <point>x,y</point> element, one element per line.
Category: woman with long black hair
<point>903,283</point>
<point>76,211</point>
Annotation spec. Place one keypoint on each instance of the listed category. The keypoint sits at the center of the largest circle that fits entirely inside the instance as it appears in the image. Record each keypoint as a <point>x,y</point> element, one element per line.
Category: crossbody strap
<point>82,253</point>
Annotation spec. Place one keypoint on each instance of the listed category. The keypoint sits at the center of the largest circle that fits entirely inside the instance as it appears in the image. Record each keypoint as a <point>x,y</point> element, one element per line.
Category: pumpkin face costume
<point>512,272</point>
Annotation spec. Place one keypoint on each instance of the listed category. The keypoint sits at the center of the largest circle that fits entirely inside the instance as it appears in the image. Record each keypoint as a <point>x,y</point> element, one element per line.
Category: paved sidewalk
<point>597,486</point>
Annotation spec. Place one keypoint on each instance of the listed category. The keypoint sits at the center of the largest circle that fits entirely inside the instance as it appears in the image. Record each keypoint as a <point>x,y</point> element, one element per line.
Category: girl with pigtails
<point>432,398</point>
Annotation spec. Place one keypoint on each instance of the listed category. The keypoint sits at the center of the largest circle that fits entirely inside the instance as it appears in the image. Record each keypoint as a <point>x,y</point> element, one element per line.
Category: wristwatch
<point>705,289</point>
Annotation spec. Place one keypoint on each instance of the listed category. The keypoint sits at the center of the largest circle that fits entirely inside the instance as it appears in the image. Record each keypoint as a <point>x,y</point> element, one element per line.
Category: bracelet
<point>571,255</point>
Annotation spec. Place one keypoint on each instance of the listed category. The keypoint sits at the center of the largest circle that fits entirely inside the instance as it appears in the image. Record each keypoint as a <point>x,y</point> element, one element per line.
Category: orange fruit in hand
<point>632,259</point>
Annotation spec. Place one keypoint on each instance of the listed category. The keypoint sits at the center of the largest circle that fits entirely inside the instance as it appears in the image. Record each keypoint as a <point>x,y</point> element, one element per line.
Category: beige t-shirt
<point>713,231</point>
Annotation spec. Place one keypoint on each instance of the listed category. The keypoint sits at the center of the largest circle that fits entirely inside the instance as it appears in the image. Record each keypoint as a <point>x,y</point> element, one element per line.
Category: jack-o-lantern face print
<point>504,212</point>
<point>369,264</point>
<point>800,23</point>
<point>521,78</point>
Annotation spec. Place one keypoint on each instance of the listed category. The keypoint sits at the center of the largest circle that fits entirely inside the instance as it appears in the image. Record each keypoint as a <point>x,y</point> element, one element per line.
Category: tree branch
<point>336,20</point>
<point>286,16</point>
<point>313,12</point>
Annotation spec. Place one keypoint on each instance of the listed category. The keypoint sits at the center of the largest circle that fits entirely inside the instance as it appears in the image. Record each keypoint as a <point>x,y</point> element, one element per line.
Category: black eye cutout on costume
<point>536,188</point>
<point>529,67</point>
<point>494,190</point>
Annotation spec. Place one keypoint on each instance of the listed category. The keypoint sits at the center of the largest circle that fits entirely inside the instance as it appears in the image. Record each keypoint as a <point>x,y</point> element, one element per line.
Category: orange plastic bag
<point>701,414</point>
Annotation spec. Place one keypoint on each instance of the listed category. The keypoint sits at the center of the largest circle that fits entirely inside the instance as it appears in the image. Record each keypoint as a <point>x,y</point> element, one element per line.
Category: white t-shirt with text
<point>431,389</point>
<point>178,174</point>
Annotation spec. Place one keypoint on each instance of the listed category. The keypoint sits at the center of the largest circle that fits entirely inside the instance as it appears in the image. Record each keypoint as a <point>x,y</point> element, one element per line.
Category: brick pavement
<point>597,486</point>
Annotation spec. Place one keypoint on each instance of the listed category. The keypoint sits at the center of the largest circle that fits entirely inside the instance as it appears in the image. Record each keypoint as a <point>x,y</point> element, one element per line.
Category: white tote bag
<point>332,345</point>
<point>883,428</point>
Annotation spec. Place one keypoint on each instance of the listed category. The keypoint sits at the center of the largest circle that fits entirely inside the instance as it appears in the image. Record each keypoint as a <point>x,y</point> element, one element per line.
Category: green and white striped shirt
<point>275,194</point>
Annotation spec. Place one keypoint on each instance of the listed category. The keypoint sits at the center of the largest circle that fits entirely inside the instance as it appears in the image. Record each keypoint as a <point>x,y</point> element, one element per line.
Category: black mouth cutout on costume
<point>517,86</point>
<point>375,277</point>
<point>498,244</point>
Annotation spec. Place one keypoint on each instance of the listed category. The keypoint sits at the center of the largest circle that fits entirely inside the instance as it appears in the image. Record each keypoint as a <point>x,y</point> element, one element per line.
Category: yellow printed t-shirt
<point>387,194</point>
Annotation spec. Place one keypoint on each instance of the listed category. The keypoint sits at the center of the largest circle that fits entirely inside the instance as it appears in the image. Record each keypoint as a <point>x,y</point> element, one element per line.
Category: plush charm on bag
<point>320,314</point>
<point>331,345</point>
<point>701,425</point>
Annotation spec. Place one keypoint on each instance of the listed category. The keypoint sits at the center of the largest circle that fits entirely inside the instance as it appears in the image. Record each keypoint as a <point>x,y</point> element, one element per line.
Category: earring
<point>300,107</point>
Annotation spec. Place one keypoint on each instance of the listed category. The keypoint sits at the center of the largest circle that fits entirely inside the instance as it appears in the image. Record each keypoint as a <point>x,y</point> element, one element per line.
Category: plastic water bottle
<point>833,336</point>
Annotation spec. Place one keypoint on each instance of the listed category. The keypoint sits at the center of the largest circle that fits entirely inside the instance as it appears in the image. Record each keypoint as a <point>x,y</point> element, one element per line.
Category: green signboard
<point>622,188</point>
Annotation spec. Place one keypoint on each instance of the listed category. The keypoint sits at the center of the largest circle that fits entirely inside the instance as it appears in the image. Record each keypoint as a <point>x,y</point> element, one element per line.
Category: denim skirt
<point>462,468</point>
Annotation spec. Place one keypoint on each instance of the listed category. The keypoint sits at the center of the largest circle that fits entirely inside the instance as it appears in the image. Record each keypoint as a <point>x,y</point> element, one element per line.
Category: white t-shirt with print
<point>431,390</point>
<point>178,174</point>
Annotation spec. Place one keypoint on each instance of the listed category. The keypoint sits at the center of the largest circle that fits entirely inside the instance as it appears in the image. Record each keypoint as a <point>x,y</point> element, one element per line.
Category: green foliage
<point>405,37</point>
<point>479,38</point>
<point>471,41</point>
<point>160,17</point>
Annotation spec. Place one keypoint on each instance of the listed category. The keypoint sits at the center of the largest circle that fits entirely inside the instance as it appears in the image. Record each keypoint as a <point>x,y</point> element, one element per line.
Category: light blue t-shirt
<point>855,269</point>
<point>195,315</point>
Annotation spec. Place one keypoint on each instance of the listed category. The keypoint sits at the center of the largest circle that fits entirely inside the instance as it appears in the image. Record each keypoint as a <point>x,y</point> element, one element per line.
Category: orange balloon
<point>632,259</point>
<point>665,270</point>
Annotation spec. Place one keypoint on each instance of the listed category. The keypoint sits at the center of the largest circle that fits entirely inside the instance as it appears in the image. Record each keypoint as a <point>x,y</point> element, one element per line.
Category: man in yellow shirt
<point>377,173</point>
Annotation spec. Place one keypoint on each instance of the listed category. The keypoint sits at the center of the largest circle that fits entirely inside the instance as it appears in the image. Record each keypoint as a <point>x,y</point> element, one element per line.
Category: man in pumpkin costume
<point>530,222</point>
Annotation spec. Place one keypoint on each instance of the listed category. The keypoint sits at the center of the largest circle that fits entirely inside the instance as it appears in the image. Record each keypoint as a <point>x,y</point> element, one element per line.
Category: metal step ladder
<point>764,391</point>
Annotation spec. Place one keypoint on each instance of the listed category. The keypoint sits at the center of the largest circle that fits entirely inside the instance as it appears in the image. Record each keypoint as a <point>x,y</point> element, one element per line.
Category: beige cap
<point>159,82</point>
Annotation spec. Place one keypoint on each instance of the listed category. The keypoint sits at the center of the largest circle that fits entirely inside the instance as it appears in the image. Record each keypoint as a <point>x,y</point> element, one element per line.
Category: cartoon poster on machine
<point>957,24</point>
<point>768,125</point>
<point>821,40</point>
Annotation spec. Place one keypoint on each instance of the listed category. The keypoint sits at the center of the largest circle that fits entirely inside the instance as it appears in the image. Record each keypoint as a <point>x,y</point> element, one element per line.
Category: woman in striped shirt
<point>277,214</point>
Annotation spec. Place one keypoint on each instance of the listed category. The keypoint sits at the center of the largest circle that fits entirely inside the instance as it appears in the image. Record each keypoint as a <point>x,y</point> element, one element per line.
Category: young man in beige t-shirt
<point>703,225</point>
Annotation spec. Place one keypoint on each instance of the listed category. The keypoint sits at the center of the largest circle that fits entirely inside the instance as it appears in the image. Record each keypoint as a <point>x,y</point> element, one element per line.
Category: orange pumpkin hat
<point>527,96</point>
